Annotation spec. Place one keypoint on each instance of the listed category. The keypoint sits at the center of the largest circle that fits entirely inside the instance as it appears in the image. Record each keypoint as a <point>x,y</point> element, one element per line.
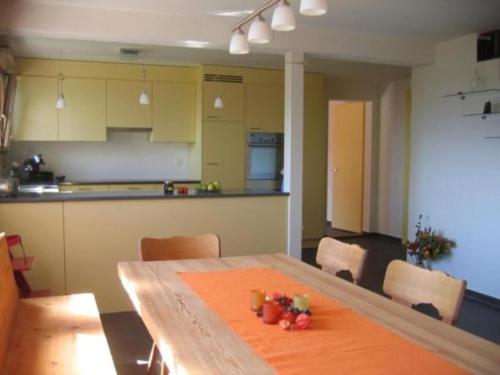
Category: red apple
<point>303,321</point>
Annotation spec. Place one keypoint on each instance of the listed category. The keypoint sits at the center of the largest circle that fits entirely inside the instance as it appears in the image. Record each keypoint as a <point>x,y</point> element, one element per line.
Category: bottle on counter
<point>168,187</point>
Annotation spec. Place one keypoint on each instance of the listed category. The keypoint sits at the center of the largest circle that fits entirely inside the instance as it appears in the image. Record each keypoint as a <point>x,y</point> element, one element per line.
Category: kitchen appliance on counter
<point>264,160</point>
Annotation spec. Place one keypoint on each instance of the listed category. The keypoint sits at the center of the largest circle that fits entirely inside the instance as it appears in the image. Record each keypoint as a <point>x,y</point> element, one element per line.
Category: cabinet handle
<point>212,116</point>
<point>84,189</point>
<point>255,128</point>
<point>133,188</point>
<point>213,164</point>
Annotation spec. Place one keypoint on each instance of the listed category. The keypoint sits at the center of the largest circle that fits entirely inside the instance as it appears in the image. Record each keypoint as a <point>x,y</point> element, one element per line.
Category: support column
<point>293,149</point>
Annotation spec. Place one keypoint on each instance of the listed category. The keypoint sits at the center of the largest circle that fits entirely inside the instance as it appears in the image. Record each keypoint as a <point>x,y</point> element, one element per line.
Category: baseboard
<point>483,298</point>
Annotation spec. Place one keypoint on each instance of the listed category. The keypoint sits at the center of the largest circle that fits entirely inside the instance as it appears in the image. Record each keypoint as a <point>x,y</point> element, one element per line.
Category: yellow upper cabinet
<point>265,108</point>
<point>84,115</point>
<point>124,109</point>
<point>232,95</point>
<point>174,112</point>
<point>35,113</point>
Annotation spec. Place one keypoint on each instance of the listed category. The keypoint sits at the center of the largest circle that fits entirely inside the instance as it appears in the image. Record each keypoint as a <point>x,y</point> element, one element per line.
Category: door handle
<point>335,170</point>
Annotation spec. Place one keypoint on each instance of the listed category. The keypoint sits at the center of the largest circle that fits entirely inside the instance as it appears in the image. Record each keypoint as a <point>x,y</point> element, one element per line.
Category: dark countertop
<point>128,195</point>
<point>127,182</point>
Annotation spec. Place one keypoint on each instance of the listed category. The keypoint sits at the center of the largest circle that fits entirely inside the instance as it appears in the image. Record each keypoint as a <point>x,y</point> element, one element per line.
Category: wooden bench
<point>50,335</point>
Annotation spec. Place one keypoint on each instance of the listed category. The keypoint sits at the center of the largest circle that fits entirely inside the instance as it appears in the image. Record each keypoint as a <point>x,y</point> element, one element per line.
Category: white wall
<point>126,155</point>
<point>392,155</point>
<point>455,171</point>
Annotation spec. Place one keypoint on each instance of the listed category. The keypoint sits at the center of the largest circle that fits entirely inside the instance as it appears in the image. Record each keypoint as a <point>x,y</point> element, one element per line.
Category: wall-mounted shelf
<point>463,94</point>
<point>483,116</point>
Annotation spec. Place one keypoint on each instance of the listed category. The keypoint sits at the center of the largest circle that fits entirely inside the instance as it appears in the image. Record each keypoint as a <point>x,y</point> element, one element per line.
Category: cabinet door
<point>265,108</point>
<point>84,116</point>
<point>124,109</point>
<point>135,187</point>
<point>224,154</point>
<point>174,112</point>
<point>232,95</point>
<point>84,188</point>
<point>35,113</point>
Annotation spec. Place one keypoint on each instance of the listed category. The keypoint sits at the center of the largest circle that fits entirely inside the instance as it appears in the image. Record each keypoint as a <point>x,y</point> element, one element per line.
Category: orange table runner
<point>339,340</point>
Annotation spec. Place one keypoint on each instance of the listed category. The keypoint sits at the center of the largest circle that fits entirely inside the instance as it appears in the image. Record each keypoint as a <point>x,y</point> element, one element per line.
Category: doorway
<point>349,166</point>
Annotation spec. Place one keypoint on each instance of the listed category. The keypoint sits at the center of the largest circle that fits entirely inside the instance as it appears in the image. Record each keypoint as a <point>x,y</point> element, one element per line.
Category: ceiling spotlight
<point>283,17</point>
<point>259,31</point>
<point>238,44</point>
<point>313,7</point>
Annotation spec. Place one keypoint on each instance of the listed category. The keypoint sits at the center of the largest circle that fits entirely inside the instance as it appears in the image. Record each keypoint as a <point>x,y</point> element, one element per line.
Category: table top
<point>194,339</point>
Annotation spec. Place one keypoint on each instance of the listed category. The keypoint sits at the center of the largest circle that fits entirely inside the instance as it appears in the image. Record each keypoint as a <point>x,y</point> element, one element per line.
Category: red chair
<point>20,265</point>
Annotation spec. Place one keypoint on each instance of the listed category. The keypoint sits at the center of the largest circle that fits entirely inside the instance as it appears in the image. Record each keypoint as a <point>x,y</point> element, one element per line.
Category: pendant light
<point>259,31</point>
<point>218,103</point>
<point>313,7</point>
<point>144,97</point>
<point>283,17</point>
<point>238,44</point>
<point>60,102</point>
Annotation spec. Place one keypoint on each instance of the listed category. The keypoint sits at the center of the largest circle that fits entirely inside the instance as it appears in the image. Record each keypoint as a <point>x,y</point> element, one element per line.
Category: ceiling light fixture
<point>238,44</point>
<point>195,43</point>
<point>218,103</point>
<point>144,97</point>
<point>60,102</point>
<point>313,7</point>
<point>259,31</point>
<point>283,19</point>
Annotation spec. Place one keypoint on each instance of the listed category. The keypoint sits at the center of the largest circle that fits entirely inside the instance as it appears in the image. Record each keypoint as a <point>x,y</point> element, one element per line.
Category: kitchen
<point>105,147</point>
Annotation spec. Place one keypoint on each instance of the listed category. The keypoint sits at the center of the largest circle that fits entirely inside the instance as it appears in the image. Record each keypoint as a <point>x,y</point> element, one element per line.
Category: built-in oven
<point>264,160</point>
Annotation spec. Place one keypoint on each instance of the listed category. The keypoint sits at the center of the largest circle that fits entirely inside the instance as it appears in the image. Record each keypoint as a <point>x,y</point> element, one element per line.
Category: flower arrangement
<point>428,245</point>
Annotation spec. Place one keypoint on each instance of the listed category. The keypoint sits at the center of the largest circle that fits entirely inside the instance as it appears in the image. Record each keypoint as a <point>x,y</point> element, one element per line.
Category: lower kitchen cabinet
<point>224,153</point>
<point>83,188</point>
<point>84,116</point>
<point>174,112</point>
<point>135,187</point>
<point>35,114</point>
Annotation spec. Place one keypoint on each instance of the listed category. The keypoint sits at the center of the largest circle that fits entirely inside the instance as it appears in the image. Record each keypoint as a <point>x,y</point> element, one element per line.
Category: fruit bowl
<point>210,187</point>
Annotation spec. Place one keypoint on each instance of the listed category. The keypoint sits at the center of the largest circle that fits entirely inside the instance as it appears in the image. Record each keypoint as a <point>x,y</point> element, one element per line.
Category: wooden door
<point>174,112</point>
<point>224,154</point>
<point>347,143</point>
<point>265,108</point>
<point>124,109</point>
<point>84,115</point>
<point>232,95</point>
<point>35,113</point>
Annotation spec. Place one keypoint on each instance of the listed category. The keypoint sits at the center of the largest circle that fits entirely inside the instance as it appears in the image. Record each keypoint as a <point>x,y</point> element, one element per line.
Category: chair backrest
<point>411,285</point>
<point>173,248</point>
<point>334,256</point>
<point>8,297</point>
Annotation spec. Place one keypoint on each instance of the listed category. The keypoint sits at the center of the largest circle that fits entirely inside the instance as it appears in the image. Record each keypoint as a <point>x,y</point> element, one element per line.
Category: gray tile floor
<point>130,342</point>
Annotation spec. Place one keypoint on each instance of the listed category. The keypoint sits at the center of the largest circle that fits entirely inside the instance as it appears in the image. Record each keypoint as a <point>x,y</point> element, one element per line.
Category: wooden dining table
<point>193,339</point>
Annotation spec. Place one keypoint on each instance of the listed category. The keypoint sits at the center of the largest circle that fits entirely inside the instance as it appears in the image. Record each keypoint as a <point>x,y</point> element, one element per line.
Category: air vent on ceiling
<point>129,53</point>
<point>223,78</point>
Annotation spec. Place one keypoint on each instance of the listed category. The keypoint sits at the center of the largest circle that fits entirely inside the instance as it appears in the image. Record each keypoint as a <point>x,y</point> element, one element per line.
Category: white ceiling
<point>435,20</point>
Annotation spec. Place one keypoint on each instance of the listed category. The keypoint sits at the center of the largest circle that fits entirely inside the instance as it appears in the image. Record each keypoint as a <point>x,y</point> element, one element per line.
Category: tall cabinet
<point>223,134</point>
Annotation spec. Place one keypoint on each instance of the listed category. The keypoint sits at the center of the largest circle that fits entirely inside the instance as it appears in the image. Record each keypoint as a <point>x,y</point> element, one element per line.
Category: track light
<point>238,44</point>
<point>259,31</point>
<point>313,7</point>
<point>283,17</point>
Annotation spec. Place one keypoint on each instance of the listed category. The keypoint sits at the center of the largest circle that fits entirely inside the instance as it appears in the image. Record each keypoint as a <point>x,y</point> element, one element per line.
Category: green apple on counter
<point>210,187</point>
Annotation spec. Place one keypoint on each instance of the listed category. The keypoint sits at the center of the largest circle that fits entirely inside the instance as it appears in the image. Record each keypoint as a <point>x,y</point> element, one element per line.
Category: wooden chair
<point>410,285</point>
<point>175,248</point>
<point>334,256</point>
